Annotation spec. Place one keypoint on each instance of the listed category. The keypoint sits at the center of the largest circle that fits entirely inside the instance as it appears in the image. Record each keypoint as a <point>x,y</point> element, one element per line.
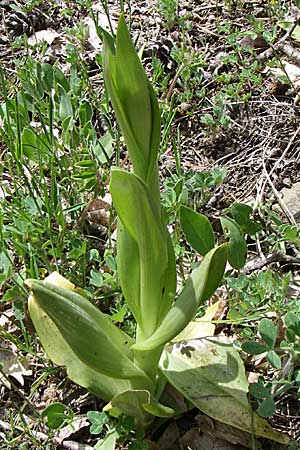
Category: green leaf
<point>292,322</point>
<point>97,420</point>
<point>65,106</point>
<point>85,112</point>
<point>286,25</point>
<point>211,375</point>
<point>197,229</point>
<point>96,279</point>
<point>29,143</point>
<point>199,328</point>
<point>266,408</point>
<point>89,333</point>
<point>199,287</point>
<point>5,267</point>
<point>128,264</point>
<point>103,149</point>
<point>108,442</point>
<point>60,77</point>
<point>268,332</point>
<point>258,391</point>
<point>149,251</point>
<point>47,76</point>
<point>61,354</point>
<point>274,359</point>
<point>254,348</point>
<point>134,101</point>
<point>56,415</point>
<point>241,214</point>
<point>290,335</point>
<point>131,402</point>
<point>237,251</point>
<point>11,294</point>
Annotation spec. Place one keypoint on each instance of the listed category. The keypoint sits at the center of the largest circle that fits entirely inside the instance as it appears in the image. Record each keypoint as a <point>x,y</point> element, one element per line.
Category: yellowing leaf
<point>199,328</point>
<point>210,373</point>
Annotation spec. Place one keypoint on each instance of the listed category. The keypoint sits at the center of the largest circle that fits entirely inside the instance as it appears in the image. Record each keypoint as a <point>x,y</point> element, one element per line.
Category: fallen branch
<point>280,45</point>
<point>274,257</point>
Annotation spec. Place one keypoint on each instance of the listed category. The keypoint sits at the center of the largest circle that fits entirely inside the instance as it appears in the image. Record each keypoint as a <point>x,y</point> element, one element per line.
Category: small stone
<point>287,182</point>
<point>291,198</point>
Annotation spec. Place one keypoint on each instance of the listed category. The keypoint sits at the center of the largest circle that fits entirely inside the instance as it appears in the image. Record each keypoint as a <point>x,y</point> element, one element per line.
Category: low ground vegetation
<point>226,78</point>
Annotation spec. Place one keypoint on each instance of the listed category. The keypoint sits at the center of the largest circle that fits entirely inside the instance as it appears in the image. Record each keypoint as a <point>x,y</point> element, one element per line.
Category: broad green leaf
<point>158,410</point>
<point>56,415</point>
<point>155,135</point>
<point>268,332</point>
<point>65,106</point>
<point>108,442</point>
<point>274,359</point>
<point>91,335</point>
<point>254,348</point>
<point>237,250</point>
<point>103,149</point>
<point>134,101</point>
<point>292,322</point>
<point>61,354</point>
<point>60,77</point>
<point>97,420</point>
<point>211,375</point>
<point>140,401</point>
<point>258,391</point>
<point>129,270</point>
<point>85,112</point>
<point>130,403</point>
<point>241,214</point>
<point>197,229</point>
<point>169,281</point>
<point>266,408</point>
<point>47,76</point>
<point>29,143</point>
<point>139,217</point>
<point>200,286</point>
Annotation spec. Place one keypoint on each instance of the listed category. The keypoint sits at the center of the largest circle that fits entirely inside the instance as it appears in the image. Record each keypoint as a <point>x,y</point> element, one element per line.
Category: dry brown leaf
<point>225,432</point>
<point>196,440</point>
<point>169,437</point>
<point>13,366</point>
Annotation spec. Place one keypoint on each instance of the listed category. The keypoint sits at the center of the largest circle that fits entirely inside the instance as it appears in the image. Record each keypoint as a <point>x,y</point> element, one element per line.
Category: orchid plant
<point>98,355</point>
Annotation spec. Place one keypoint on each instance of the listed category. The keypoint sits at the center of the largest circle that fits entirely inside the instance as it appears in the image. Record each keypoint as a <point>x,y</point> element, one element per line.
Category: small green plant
<point>282,353</point>
<point>168,10</point>
<point>57,415</point>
